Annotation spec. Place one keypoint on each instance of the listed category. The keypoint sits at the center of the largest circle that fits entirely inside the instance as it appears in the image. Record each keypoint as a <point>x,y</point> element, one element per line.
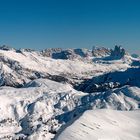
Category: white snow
<point>26,109</point>
<point>104,124</point>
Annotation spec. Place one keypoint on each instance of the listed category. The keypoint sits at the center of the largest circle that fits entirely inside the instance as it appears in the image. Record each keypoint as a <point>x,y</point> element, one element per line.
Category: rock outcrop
<point>118,52</point>
<point>101,51</point>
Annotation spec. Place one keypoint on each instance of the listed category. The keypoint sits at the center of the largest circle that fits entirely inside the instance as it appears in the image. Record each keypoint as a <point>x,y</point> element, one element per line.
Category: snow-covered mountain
<point>42,92</point>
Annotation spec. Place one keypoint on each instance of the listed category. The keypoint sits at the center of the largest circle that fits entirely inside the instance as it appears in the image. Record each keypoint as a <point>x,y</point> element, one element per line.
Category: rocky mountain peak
<point>118,52</point>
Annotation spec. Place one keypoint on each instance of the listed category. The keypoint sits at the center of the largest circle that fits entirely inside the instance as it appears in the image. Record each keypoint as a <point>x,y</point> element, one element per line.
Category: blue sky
<point>40,24</point>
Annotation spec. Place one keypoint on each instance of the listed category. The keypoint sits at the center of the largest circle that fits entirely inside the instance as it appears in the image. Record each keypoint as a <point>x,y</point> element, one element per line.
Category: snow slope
<point>104,124</point>
<point>31,111</point>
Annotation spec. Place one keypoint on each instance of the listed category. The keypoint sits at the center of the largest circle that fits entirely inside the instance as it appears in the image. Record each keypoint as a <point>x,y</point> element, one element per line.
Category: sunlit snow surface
<point>32,110</point>
<point>104,124</point>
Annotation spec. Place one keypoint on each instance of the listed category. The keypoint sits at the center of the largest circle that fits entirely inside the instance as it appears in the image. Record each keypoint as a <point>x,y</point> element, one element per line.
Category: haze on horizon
<point>39,24</point>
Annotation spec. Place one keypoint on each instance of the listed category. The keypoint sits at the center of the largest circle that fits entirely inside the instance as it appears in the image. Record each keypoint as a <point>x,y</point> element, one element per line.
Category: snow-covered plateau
<point>69,94</point>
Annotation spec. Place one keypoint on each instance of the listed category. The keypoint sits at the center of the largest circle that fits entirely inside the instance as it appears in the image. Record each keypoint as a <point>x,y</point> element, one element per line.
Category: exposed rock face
<point>48,52</point>
<point>96,52</point>
<point>118,52</point>
<point>64,54</point>
<point>58,53</point>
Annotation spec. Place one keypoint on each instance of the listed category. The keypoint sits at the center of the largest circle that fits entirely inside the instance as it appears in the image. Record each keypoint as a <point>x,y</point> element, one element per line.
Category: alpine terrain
<point>69,94</point>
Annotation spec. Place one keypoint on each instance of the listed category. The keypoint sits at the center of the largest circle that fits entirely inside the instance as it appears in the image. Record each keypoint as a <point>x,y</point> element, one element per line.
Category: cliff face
<point>118,52</point>
<point>100,52</point>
